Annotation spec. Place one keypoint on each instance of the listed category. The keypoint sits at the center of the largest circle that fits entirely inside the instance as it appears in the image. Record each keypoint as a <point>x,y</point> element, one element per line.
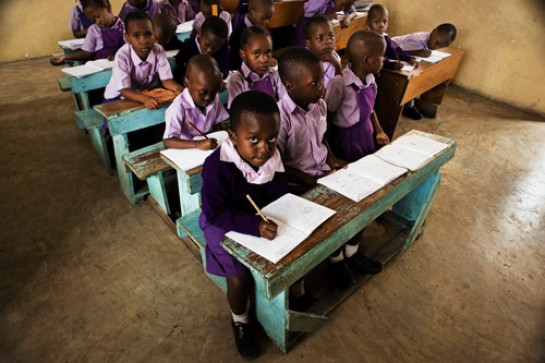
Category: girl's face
<point>257,53</point>
<point>379,22</point>
<point>210,43</point>
<point>322,39</point>
<point>102,17</point>
<point>256,136</point>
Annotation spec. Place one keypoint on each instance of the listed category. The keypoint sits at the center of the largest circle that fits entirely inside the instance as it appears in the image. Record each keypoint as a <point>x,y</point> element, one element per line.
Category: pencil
<point>197,129</point>
<point>257,208</point>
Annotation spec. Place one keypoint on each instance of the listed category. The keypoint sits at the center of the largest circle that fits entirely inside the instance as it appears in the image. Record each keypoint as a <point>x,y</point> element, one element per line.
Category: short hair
<point>216,26</point>
<point>203,63</point>
<point>135,16</point>
<point>252,102</point>
<point>315,20</point>
<point>293,59</point>
<point>374,9</point>
<point>165,22</point>
<point>368,38</point>
<point>97,3</point>
<point>449,29</point>
<point>251,32</point>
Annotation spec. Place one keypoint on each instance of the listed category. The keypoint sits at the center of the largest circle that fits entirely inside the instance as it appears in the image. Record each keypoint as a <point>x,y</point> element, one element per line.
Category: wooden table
<point>343,34</point>
<point>429,81</point>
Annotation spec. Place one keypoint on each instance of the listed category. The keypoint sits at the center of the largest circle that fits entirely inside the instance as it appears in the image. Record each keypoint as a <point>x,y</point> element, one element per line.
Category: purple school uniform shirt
<point>391,55</point>
<point>341,97</point>
<point>151,8</point>
<point>412,42</point>
<point>183,108</point>
<point>182,13</point>
<point>76,15</point>
<point>239,82</point>
<point>301,136</point>
<point>93,41</point>
<point>313,7</point>
<point>224,15</point>
<point>130,71</point>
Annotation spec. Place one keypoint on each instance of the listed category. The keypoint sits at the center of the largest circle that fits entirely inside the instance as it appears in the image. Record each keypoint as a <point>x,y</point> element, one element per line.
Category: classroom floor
<point>85,276</point>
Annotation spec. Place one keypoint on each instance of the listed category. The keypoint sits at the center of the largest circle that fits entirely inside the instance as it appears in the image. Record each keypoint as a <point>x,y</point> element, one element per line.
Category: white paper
<point>421,144</point>
<point>376,169</point>
<point>403,157</point>
<point>407,67</point>
<point>186,27</point>
<point>88,68</point>
<point>296,211</point>
<point>172,53</point>
<point>187,159</point>
<point>350,184</point>
<point>435,56</point>
<point>72,44</point>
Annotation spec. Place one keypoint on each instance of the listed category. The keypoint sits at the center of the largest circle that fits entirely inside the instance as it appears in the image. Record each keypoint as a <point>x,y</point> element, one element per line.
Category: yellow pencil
<point>257,208</point>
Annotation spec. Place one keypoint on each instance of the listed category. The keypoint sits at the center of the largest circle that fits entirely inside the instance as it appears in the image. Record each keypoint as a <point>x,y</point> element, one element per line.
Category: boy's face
<point>379,22</point>
<point>140,4</point>
<point>257,53</point>
<point>438,40</point>
<point>260,15</point>
<point>203,87</point>
<point>308,86</point>
<point>102,17</point>
<point>322,39</point>
<point>210,43</point>
<point>255,137</point>
<point>141,38</point>
<point>375,59</point>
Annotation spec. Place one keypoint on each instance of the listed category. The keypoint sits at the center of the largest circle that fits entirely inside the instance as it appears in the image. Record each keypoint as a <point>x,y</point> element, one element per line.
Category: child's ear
<point>307,43</point>
<point>288,86</point>
<point>186,82</point>
<point>232,136</point>
<point>126,36</point>
<point>242,54</point>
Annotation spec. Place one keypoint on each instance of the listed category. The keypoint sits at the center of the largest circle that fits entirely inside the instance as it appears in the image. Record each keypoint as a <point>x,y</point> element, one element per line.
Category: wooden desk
<point>286,13</point>
<point>410,196</point>
<point>343,34</point>
<point>428,80</point>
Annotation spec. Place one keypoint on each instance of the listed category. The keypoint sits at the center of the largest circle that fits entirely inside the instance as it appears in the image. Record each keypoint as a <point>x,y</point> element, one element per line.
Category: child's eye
<point>256,54</point>
<point>253,139</point>
<point>272,139</point>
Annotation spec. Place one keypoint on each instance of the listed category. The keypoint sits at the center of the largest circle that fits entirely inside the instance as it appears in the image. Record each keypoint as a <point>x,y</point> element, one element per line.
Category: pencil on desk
<point>257,208</point>
<point>197,129</point>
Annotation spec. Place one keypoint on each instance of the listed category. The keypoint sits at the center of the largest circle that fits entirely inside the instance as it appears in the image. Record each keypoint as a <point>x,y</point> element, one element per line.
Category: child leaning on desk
<point>103,38</point>
<point>79,22</point>
<point>140,65</point>
<point>248,163</point>
<point>198,108</point>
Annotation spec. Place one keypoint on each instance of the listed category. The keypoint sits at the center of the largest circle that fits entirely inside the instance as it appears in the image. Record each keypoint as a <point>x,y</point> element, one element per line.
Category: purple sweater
<point>224,190</point>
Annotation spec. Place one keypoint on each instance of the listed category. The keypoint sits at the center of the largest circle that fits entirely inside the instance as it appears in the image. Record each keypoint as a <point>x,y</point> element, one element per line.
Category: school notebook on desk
<point>187,159</point>
<point>435,56</point>
<point>91,67</point>
<point>186,27</point>
<point>296,217</point>
<point>72,44</point>
<point>161,95</point>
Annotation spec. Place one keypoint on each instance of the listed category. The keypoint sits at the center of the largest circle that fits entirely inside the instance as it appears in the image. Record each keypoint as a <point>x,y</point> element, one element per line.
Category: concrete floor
<point>88,277</point>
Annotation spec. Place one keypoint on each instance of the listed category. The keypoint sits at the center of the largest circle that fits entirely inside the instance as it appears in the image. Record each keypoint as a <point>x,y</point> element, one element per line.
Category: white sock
<point>298,288</point>
<point>335,259</point>
<point>240,318</point>
<point>350,250</point>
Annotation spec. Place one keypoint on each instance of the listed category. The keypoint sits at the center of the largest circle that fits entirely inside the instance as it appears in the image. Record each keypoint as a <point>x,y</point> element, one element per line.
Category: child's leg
<point>238,294</point>
<point>342,276</point>
<point>357,260</point>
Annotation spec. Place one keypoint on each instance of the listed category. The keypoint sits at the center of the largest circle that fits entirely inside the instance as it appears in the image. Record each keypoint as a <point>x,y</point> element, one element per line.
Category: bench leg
<point>121,147</point>
<point>271,314</point>
<point>416,205</point>
<point>99,144</point>
<point>158,190</point>
<point>188,202</point>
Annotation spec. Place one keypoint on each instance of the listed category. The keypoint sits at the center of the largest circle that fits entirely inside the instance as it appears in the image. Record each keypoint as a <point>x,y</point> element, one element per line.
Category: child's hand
<point>56,61</point>
<point>208,144</point>
<point>345,22</point>
<point>268,230</point>
<point>424,53</point>
<point>382,139</point>
<point>178,89</point>
<point>335,163</point>
<point>328,57</point>
<point>111,57</point>
<point>413,62</point>
<point>273,62</point>
<point>398,65</point>
<point>151,103</point>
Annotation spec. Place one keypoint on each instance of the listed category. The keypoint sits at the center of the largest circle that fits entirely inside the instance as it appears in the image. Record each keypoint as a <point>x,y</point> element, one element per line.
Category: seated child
<point>198,108</point>
<point>377,21</point>
<point>320,39</point>
<point>329,9</point>
<point>211,40</point>
<point>140,65</point>
<point>103,38</point>
<point>164,28</point>
<point>422,43</point>
<point>247,163</point>
<point>206,12</point>
<point>79,22</point>
<point>255,74</point>
<point>259,13</point>
<point>150,7</point>
<point>302,144</point>
<point>179,10</point>
<point>351,98</point>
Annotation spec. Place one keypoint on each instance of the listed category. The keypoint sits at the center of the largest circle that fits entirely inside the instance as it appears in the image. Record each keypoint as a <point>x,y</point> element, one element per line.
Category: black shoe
<point>342,276</point>
<point>301,303</point>
<point>363,265</point>
<point>245,340</point>
<point>412,112</point>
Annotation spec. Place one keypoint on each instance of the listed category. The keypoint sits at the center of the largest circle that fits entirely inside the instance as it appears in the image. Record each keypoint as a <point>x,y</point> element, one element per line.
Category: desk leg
<point>188,202</point>
<point>121,147</point>
<point>96,134</point>
<point>429,102</point>
<point>416,205</point>
<point>388,103</point>
<point>158,190</point>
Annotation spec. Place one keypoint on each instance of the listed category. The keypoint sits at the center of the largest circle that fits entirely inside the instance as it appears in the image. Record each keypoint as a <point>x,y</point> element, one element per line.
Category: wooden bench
<point>428,80</point>
<point>148,166</point>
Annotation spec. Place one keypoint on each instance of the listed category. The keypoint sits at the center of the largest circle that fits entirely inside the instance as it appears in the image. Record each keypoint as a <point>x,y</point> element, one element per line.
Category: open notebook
<point>186,27</point>
<point>88,68</point>
<point>72,44</point>
<point>436,56</point>
<point>187,159</point>
<point>296,217</point>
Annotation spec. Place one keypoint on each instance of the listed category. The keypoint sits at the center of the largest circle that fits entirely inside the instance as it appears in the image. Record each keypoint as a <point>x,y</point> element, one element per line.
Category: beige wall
<point>503,39</point>
<point>504,43</point>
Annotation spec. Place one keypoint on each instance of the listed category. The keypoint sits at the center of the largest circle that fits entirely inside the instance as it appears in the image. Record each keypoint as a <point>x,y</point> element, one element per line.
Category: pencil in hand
<point>257,209</point>
<point>196,129</point>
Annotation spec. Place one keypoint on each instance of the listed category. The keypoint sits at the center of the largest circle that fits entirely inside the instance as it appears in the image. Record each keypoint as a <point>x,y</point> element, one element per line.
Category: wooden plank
<point>304,322</point>
<point>86,119</point>
<point>146,161</point>
<point>117,108</point>
<point>64,84</point>
<point>286,13</point>
<point>91,82</point>
<point>342,35</point>
<point>138,119</point>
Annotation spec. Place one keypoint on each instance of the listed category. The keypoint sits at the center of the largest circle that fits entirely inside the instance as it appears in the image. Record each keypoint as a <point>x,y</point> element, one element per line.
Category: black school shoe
<point>412,112</point>
<point>363,265</point>
<point>341,274</point>
<point>245,340</point>
<point>301,303</point>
